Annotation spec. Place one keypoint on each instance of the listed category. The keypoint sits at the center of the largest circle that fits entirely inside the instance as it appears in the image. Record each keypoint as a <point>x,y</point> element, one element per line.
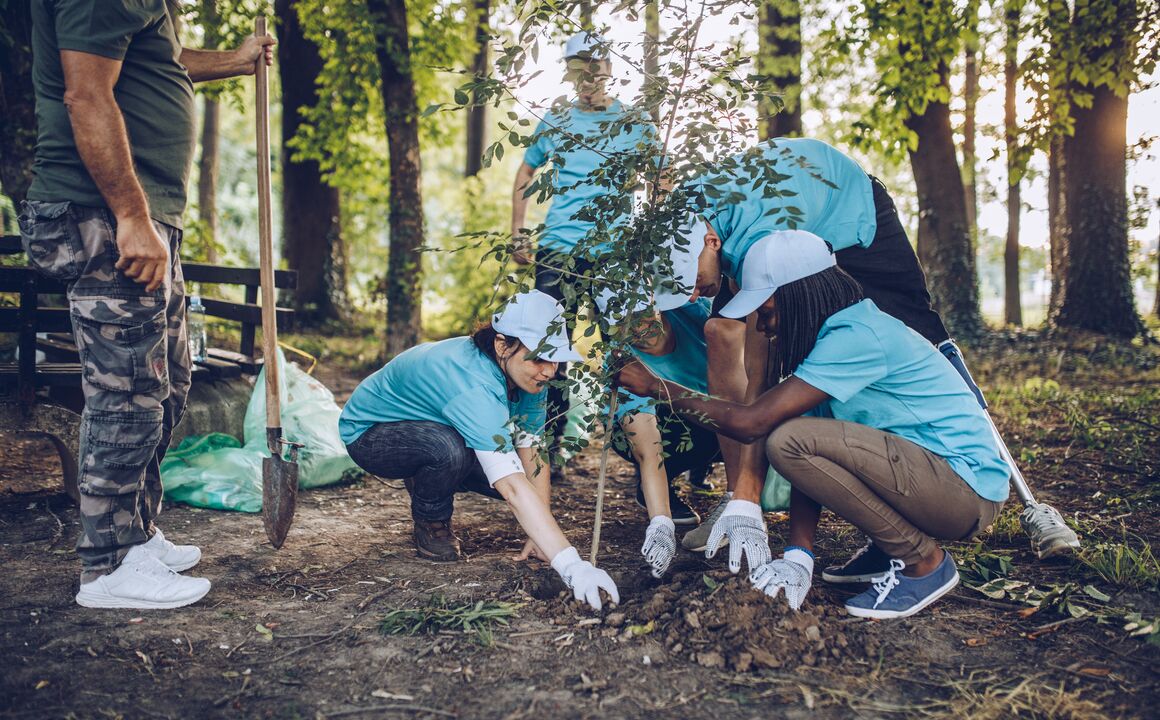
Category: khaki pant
<point>901,495</point>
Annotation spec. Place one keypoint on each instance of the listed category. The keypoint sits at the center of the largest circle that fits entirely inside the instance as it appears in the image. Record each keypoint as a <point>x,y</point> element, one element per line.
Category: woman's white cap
<point>537,320</point>
<point>775,260</point>
<point>675,288</point>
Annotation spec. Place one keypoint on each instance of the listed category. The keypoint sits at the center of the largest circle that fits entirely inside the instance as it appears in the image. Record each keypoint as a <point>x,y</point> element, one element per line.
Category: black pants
<point>551,281</point>
<point>432,456</point>
<point>687,446</point>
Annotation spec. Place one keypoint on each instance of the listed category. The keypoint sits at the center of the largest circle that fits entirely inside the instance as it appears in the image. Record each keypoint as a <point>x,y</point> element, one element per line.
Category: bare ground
<point>295,632</point>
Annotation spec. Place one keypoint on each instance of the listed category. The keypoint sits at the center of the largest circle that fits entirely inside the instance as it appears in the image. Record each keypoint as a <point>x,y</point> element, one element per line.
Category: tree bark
<point>1056,203</point>
<point>780,57</point>
<point>970,101</point>
<point>1012,306</point>
<point>477,113</point>
<point>585,14</point>
<point>311,215</point>
<point>17,102</point>
<point>652,68</point>
<point>207,176</point>
<point>404,267</point>
<point>944,239</point>
<point>1095,290</point>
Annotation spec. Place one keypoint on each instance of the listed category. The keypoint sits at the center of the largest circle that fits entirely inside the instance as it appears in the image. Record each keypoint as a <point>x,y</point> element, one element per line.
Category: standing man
<point>596,147</point>
<point>115,116</point>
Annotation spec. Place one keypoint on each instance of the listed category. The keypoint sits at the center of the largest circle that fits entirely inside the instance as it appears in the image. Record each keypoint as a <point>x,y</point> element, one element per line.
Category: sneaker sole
<point>111,602</point>
<point>891,614</point>
<point>181,568</point>
<point>701,549</point>
<point>1056,548</point>
<point>848,579</point>
<point>428,555</point>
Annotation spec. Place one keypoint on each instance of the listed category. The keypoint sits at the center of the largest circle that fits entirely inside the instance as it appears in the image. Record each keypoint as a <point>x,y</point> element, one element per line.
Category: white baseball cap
<point>537,320</point>
<point>612,311</point>
<point>684,253</point>
<point>587,45</point>
<point>775,260</point>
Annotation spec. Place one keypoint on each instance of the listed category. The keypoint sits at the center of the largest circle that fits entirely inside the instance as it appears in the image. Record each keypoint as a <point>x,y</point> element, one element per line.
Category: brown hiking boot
<point>435,541</point>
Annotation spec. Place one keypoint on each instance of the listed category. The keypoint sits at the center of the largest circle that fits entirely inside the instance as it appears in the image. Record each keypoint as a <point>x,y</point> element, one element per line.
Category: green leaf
<point>710,582</point>
<point>1095,594</point>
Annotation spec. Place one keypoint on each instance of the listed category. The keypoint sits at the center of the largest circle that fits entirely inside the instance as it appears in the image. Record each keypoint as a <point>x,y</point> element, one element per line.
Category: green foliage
<point>478,618</point>
<point>1123,565</point>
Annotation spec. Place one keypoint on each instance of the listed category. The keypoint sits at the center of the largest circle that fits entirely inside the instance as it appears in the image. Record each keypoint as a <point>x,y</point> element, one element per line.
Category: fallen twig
<point>385,708</point>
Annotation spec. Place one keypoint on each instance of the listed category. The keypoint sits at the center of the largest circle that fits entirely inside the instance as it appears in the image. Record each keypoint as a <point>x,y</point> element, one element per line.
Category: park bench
<point>40,393</point>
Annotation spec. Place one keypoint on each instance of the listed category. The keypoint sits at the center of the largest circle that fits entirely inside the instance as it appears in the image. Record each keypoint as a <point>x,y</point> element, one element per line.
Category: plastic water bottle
<point>195,322</point>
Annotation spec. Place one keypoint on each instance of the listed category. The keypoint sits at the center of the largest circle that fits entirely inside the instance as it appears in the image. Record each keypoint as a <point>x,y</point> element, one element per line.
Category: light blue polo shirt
<point>686,365</point>
<point>881,373</point>
<point>449,382</point>
<point>590,168</point>
<point>788,184</point>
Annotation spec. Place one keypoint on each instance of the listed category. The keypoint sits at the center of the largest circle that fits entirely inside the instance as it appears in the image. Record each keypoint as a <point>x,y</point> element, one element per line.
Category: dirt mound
<point>719,621</point>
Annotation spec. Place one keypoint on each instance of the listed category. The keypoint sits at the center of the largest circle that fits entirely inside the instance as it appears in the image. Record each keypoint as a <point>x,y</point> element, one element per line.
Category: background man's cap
<point>616,307</point>
<point>537,320</point>
<point>586,46</point>
<point>776,260</point>
<point>684,252</point>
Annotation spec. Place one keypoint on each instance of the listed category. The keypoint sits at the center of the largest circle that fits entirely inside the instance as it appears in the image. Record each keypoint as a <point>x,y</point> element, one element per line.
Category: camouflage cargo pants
<point>135,372</point>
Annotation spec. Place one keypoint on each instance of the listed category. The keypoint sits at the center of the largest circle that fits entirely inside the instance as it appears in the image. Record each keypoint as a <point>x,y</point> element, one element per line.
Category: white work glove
<point>585,580</point>
<point>742,524</point>
<point>660,544</point>
<point>793,572</point>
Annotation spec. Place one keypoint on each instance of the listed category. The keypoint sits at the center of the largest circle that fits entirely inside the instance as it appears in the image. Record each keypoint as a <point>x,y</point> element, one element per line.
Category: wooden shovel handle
<point>266,241</point>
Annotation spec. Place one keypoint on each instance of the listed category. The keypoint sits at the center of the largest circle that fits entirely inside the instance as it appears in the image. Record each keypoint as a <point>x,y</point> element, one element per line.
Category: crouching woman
<point>464,414</point>
<point>895,443</point>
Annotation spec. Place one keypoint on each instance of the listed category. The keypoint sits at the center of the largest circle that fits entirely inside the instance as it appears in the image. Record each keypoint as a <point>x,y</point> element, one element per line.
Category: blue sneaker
<point>895,595</point>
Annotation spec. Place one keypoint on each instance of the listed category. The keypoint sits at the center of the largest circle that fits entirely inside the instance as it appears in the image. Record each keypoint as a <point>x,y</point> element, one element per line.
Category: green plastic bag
<point>775,494</point>
<point>216,471</point>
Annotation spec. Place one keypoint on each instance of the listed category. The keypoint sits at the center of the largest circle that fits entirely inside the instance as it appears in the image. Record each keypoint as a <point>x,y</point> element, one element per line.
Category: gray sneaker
<point>696,539</point>
<point>1049,534</point>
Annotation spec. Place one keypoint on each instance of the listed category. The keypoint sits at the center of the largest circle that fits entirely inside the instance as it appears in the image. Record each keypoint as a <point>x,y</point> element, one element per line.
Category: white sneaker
<point>177,558</point>
<point>142,582</point>
<point>1049,534</point>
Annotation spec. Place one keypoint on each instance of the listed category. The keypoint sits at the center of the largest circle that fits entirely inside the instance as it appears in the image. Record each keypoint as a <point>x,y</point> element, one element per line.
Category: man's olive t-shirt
<point>153,91</point>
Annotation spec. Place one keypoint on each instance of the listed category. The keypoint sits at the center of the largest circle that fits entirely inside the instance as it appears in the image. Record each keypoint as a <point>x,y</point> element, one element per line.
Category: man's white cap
<point>587,45</point>
<point>684,253</point>
<point>537,320</point>
<point>615,310</point>
<point>776,260</point>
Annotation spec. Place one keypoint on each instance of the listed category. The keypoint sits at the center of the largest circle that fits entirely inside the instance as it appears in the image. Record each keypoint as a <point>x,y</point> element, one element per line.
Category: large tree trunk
<point>17,102</point>
<point>207,176</point>
<point>404,268</point>
<point>944,238</point>
<point>311,228</point>
<point>477,113</point>
<point>970,100</point>
<point>1095,290</point>
<point>1012,306</point>
<point>780,57</point>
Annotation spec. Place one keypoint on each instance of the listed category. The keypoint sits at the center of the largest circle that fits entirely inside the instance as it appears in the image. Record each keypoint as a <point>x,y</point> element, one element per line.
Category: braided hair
<point>802,307</point>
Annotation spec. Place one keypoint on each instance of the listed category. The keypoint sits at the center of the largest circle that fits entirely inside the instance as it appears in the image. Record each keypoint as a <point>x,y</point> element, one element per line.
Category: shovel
<point>279,475</point>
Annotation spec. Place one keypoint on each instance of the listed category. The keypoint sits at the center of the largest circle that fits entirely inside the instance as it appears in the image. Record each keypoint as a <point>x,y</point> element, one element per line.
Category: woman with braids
<point>465,414</point>
<point>868,420</point>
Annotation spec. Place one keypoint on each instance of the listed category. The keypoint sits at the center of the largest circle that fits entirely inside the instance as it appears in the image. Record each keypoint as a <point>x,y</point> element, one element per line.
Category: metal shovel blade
<point>279,496</point>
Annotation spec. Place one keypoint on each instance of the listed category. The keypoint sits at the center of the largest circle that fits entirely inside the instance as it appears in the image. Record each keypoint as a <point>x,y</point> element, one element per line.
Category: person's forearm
<point>519,195</point>
<point>804,514</point>
<point>532,514</point>
<point>103,144</point>
<point>751,461</point>
<point>538,474</point>
<point>204,65</point>
<point>644,440</point>
<point>735,420</point>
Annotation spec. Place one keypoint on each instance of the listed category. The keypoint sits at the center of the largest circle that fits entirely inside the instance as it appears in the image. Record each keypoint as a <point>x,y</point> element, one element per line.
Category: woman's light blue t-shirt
<point>686,365</point>
<point>788,184</point>
<point>881,373</point>
<point>449,382</point>
<point>587,169</point>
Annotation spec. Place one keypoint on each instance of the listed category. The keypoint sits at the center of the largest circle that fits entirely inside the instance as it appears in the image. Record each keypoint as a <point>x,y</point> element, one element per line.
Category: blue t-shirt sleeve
<point>629,404</point>
<point>845,360</point>
<point>531,412</point>
<point>542,142</point>
<point>479,416</point>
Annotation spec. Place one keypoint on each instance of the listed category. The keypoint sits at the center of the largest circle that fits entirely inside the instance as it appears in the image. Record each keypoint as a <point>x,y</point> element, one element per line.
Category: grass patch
<point>997,699</point>
<point>1122,565</point>
<point>439,614</point>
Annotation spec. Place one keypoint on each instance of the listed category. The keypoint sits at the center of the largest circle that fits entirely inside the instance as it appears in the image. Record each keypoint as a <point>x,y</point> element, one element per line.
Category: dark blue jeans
<point>432,457</point>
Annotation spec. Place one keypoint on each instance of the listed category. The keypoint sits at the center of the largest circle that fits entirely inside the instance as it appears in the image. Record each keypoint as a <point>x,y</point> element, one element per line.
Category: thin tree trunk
<point>652,39</point>
<point>404,267</point>
<point>477,113</point>
<point>1012,306</point>
<point>944,239</point>
<point>1156,299</point>
<point>780,57</point>
<point>1096,289</point>
<point>585,14</point>
<point>1056,205</point>
<point>207,176</point>
<point>311,214</point>
<point>17,103</point>
<point>970,100</point>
